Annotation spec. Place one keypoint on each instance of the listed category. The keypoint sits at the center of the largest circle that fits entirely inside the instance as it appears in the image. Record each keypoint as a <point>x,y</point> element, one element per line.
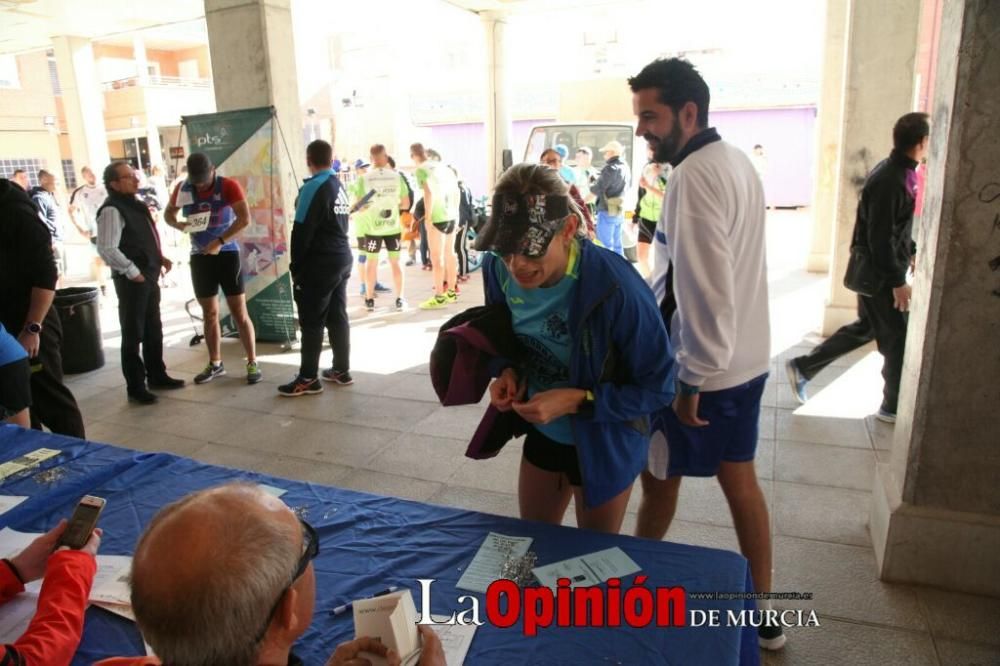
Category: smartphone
<point>363,201</point>
<point>83,522</point>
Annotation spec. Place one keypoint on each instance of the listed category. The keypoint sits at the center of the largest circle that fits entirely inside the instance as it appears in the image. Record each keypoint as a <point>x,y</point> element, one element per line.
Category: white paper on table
<point>588,570</point>
<point>111,582</point>
<point>15,616</point>
<point>271,490</point>
<point>120,610</point>
<point>392,620</point>
<point>486,566</point>
<point>27,461</point>
<point>8,502</point>
<point>611,563</point>
<point>574,569</point>
<point>455,639</point>
<point>12,543</point>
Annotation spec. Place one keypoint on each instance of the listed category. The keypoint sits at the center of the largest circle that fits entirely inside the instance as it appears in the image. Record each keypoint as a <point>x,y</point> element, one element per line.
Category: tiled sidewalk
<point>387,434</point>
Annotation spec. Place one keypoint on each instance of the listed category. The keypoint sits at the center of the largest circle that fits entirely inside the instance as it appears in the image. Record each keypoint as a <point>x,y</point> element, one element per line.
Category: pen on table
<point>340,610</point>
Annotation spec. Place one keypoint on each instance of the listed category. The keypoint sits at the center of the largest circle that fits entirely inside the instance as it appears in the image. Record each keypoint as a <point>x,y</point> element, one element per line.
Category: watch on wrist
<point>33,327</point>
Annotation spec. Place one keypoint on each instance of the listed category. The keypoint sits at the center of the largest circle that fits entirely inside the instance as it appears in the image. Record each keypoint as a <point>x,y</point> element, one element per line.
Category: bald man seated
<point>225,576</point>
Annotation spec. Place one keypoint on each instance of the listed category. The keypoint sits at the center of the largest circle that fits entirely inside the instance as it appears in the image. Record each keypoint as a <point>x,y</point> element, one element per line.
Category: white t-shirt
<point>88,199</point>
<point>712,230</point>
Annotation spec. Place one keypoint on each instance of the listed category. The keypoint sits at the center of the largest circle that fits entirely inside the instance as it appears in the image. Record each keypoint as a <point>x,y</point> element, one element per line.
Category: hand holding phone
<point>83,522</point>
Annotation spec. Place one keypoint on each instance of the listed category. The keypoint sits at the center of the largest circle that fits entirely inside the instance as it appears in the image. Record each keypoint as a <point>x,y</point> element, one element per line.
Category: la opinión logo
<point>636,606</point>
<point>539,607</point>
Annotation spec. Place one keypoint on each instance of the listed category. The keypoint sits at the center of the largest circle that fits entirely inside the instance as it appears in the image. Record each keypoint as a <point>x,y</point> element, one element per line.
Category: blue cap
<point>361,164</point>
<point>336,166</point>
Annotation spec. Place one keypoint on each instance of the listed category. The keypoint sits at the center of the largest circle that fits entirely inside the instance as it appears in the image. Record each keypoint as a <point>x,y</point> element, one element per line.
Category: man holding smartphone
<point>128,242</point>
<point>57,626</point>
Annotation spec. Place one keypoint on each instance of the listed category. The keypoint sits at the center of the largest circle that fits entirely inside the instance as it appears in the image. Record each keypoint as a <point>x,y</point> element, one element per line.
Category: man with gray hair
<point>225,576</point>
<point>609,188</point>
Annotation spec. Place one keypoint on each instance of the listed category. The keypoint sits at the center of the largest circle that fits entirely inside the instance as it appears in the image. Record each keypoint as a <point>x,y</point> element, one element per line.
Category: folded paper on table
<point>111,582</point>
<point>392,620</point>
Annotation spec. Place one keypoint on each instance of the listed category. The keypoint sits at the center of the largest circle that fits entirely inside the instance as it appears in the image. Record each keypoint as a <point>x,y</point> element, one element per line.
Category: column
<point>936,507</point>
<point>153,142</point>
<point>830,122</point>
<point>878,89</point>
<point>253,65</point>
<point>498,127</point>
<point>141,63</point>
<point>82,102</point>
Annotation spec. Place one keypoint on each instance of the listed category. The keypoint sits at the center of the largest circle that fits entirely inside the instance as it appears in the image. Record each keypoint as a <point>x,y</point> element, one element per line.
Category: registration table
<point>370,542</point>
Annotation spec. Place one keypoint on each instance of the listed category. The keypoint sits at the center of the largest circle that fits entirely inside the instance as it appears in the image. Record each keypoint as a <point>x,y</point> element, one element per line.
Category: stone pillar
<point>878,89</point>
<point>141,62</point>
<point>936,506</point>
<point>830,122</point>
<point>253,65</point>
<point>82,102</point>
<point>498,127</point>
<point>153,142</point>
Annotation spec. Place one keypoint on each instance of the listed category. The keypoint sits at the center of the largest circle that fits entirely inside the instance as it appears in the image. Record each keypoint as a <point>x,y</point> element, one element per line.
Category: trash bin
<point>82,349</point>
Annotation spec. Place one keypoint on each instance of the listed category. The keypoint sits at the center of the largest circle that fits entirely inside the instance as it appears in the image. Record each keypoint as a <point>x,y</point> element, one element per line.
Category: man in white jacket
<point>711,281</point>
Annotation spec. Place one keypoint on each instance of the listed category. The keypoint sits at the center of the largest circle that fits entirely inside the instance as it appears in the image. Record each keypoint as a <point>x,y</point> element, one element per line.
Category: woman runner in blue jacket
<point>597,357</point>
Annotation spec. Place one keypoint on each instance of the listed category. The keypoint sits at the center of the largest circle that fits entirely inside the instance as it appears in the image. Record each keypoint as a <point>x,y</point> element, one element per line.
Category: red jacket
<point>54,633</point>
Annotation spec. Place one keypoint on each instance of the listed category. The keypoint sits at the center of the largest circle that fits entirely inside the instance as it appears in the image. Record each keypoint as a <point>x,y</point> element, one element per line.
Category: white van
<point>595,135</point>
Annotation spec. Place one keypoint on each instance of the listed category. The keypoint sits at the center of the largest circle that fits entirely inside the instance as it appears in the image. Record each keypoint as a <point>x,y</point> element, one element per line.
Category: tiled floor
<point>388,435</point>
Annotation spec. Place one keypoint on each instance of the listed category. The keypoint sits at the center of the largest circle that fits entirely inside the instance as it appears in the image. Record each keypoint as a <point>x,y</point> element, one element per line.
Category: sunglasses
<point>310,549</point>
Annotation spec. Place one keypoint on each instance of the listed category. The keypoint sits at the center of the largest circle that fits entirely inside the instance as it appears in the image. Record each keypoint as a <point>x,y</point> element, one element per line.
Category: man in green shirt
<point>442,198</point>
<point>382,222</point>
<point>360,218</point>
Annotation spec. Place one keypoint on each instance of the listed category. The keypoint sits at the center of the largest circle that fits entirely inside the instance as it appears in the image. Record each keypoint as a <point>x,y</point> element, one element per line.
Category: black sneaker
<point>400,304</point>
<point>210,372</point>
<point>166,383</point>
<point>342,378</point>
<point>143,397</point>
<point>370,304</point>
<point>771,637</point>
<point>299,386</point>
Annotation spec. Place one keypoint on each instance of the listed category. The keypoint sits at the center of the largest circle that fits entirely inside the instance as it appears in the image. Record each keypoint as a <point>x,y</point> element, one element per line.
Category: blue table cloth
<point>370,542</point>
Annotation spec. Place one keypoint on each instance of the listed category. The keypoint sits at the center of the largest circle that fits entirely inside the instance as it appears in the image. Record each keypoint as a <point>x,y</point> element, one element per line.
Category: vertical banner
<point>241,145</point>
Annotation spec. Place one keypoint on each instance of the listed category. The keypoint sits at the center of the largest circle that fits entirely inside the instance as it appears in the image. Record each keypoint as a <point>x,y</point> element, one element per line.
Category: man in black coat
<point>129,244</point>
<point>884,223</point>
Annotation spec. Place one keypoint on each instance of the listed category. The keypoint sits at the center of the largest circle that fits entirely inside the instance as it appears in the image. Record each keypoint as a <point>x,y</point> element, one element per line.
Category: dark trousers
<point>462,249</point>
<point>878,320</point>
<point>322,303</point>
<point>425,249</point>
<point>52,404</point>
<point>139,316</point>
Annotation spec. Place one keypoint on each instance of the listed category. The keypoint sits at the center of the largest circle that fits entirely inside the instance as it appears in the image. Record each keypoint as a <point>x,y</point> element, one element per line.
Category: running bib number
<point>198,222</point>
